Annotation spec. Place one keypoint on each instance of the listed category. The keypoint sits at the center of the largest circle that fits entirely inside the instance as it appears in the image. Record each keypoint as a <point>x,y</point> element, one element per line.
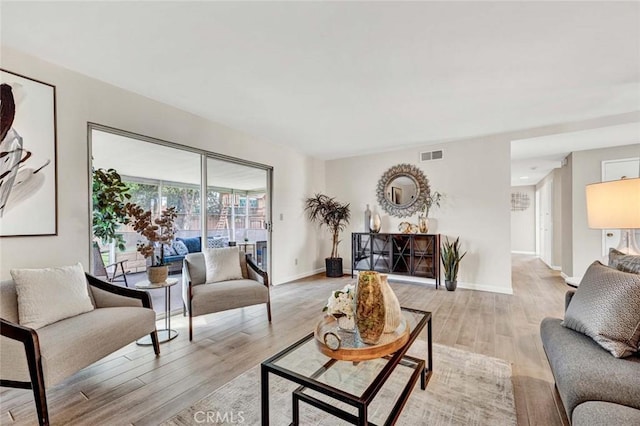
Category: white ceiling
<point>533,158</point>
<point>334,79</point>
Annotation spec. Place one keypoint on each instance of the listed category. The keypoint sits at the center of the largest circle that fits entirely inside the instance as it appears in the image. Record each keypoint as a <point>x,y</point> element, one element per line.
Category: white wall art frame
<point>28,166</point>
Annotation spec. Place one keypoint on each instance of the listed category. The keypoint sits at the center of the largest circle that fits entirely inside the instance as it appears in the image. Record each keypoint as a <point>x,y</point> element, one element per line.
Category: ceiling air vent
<point>431,155</point>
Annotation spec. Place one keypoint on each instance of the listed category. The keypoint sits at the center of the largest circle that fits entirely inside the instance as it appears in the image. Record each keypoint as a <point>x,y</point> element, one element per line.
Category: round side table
<point>165,334</point>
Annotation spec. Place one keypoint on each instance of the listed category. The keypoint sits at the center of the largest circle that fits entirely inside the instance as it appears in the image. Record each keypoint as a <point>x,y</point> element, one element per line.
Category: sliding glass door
<point>159,174</point>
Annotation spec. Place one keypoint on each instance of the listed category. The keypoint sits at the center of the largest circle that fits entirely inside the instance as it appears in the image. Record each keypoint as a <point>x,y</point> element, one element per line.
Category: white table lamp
<point>616,205</point>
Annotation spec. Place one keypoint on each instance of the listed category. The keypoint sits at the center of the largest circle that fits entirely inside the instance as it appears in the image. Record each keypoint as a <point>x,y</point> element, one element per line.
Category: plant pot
<point>157,274</point>
<point>451,285</point>
<point>333,266</point>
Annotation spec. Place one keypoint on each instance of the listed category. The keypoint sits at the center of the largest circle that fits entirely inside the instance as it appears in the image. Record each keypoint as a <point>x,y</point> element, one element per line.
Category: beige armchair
<point>40,358</point>
<point>201,298</point>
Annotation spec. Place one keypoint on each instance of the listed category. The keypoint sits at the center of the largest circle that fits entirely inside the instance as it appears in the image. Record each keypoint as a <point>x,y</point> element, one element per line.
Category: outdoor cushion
<point>222,264</point>
<point>50,294</point>
<point>168,250</point>
<point>193,244</point>
<point>606,307</point>
<point>181,248</point>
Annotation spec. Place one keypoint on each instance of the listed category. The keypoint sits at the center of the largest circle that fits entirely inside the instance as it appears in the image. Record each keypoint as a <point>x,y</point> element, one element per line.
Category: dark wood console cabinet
<point>417,255</point>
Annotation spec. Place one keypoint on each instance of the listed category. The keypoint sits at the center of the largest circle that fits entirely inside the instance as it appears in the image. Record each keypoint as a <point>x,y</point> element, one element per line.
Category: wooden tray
<point>352,349</point>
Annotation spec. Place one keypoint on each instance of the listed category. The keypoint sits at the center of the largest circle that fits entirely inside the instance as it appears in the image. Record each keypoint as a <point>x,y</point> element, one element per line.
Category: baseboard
<point>299,276</point>
<point>532,253</point>
<point>556,268</point>
<point>564,276</point>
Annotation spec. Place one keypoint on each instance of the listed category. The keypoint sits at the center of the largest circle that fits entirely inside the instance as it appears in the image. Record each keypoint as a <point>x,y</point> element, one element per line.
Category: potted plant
<point>451,258</point>
<point>158,232</point>
<point>109,197</point>
<point>432,200</point>
<point>335,216</point>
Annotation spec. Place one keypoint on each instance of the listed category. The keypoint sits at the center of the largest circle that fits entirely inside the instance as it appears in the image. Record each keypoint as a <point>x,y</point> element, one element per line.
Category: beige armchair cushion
<point>74,343</point>
<point>50,294</point>
<point>225,295</point>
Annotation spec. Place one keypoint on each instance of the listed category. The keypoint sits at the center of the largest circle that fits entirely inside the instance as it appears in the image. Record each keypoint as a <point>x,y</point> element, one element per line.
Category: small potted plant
<point>158,232</point>
<point>432,200</point>
<point>451,258</point>
<point>335,216</point>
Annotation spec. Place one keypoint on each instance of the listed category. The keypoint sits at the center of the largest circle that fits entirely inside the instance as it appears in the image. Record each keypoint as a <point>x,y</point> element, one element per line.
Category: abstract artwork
<point>28,196</point>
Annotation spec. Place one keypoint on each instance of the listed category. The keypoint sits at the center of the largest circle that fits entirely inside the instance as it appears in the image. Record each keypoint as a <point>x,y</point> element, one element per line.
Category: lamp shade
<point>614,205</point>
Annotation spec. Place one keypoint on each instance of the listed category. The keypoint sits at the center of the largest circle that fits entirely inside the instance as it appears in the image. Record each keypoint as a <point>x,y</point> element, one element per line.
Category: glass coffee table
<point>346,388</point>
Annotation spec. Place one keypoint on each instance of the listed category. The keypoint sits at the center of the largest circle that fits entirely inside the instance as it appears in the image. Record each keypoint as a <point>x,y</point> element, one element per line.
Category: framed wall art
<point>28,175</point>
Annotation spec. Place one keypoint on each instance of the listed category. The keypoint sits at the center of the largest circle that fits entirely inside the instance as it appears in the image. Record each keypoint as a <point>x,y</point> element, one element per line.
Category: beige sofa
<point>201,298</point>
<point>39,359</point>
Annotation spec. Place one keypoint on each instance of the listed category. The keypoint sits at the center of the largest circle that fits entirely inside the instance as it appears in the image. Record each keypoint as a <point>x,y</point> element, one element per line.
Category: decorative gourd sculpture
<point>377,307</point>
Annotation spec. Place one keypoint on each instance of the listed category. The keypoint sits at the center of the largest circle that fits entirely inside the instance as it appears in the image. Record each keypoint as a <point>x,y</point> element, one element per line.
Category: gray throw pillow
<point>624,262</point>
<point>181,248</point>
<point>606,307</point>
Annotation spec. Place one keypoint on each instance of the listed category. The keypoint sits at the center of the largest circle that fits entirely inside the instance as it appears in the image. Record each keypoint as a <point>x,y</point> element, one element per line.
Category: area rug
<point>465,389</point>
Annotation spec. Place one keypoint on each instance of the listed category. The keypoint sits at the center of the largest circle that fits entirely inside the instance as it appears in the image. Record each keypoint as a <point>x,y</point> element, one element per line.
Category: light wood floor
<point>132,386</point>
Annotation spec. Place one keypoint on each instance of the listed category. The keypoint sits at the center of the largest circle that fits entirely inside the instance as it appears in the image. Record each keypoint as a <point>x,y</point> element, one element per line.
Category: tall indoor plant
<point>158,233</point>
<point>109,197</point>
<point>335,216</point>
<point>451,258</point>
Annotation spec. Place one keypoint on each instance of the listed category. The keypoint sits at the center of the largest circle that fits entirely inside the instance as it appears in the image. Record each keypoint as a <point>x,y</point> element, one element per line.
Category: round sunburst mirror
<point>402,190</point>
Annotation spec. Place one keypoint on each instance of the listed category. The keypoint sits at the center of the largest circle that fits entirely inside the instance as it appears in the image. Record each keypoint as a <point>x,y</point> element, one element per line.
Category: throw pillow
<point>180,248</point>
<point>606,307</point>
<point>193,244</point>
<point>51,294</point>
<point>222,264</point>
<point>169,250</point>
<point>624,262</point>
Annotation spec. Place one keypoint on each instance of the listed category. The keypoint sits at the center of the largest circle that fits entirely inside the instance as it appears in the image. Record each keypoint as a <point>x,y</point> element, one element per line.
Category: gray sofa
<point>40,358</point>
<point>595,387</point>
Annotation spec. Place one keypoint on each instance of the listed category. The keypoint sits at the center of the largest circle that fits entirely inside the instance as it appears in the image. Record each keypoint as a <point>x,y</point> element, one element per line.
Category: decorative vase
<point>367,219</point>
<point>451,285</point>
<point>391,306</point>
<point>375,223</point>
<point>157,274</point>
<point>423,224</point>
<point>370,310</point>
<point>346,323</point>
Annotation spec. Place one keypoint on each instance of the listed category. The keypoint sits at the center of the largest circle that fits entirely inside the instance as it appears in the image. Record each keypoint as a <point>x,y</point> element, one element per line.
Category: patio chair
<point>110,272</point>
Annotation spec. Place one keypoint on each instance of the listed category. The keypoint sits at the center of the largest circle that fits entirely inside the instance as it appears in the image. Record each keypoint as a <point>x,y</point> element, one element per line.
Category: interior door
<point>614,170</point>
<point>546,223</point>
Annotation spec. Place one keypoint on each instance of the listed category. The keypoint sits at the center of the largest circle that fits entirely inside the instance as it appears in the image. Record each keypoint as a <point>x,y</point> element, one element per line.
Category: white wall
<point>523,223</point>
<point>474,175</point>
<point>587,168</point>
<point>81,99</point>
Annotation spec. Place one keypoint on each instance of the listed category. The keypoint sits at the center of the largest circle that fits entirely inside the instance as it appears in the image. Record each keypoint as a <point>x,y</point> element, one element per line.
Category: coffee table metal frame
<point>361,403</point>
